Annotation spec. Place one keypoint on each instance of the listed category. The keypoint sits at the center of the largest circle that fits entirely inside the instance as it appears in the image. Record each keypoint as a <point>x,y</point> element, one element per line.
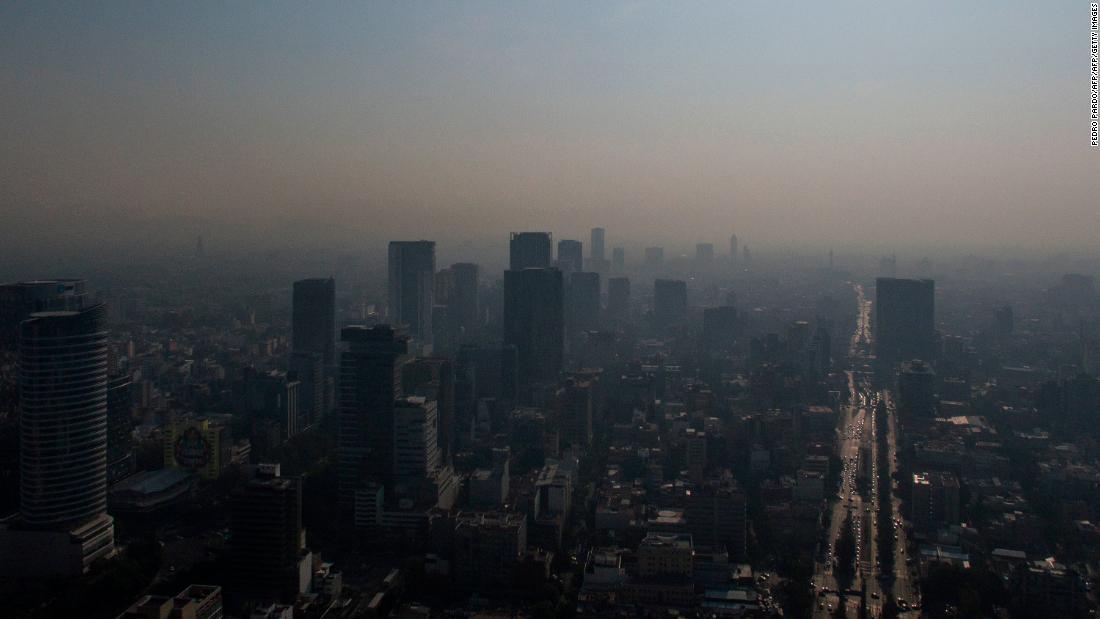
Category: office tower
<point>716,513</point>
<point>618,259</point>
<point>669,301</point>
<point>666,555</point>
<point>308,370</point>
<point>530,250</point>
<point>463,306</point>
<point>746,256</point>
<point>411,286</point>
<point>597,244</point>
<point>695,454</point>
<point>570,256</point>
<point>488,549</point>
<point>618,298</point>
<point>120,426</point>
<point>584,293</point>
<point>904,321</point>
<point>416,453</point>
<point>916,389</point>
<point>21,299</point>
<point>704,255</point>
<point>266,551</point>
<point>934,500</point>
<point>573,408</point>
<point>274,397</point>
<point>654,257</point>
<point>719,328</point>
<point>63,432</point>
<point>733,248</point>
<point>534,324</point>
<point>433,378</point>
<point>313,318</point>
<point>370,381</point>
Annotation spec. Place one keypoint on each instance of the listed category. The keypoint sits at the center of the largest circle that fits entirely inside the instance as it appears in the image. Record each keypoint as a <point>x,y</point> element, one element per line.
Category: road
<point>854,430</point>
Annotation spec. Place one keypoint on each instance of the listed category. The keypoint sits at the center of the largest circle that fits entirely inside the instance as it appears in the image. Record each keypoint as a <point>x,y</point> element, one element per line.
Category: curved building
<point>63,419</point>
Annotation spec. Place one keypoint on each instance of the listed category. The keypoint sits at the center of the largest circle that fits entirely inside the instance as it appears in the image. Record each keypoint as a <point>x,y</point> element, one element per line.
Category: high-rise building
<point>669,301</point>
<point>488,548</point>
<point>530,250</point>
<point>266,554</point>
<point>654,257</point>
<point>370,381</point>
<point>618,259</point>
<point>597,244</point>
<point>570,256</point>
<point>584,294</point>
<point>716,513</point>
<point>733,248</point>
<point>904,321</point>
<point>21,299</point>
<point>313,319</point>
<point>412,286</point>
<point>534,324</point>
<point>120,426</point>
<point>464,308</point>
<point>916,389</point>
<point>618,298</point>
<point>416,454</point>
<point>433,378</point>
<point>63,437</point>
<point>308,370</point>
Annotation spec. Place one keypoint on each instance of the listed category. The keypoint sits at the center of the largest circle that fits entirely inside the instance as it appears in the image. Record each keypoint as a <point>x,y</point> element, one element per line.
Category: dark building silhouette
<point>618,298</point>
<point>370,381</point>
<point>120,426</point>
<point>530,250</point>
<point>534,324</point>
<point>21,299</point>
<point>412,286</point>
<point>308,370</point>
<point>570,256</point>
<point>597,248</point>
<point>733,248</point>
<point>266,549</point>
<point>313,318</point>
<point>63,432</point>
<point>464,306</point>
<point>584,293</point>
<point>433,378</point>
<point>904,321</point>
<point>669,301</point>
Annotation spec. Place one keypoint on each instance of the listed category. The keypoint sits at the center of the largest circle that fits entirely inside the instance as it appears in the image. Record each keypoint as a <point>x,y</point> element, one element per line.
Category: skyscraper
<point>63,427</point>
<point>266,550</point>
<point>533,323</point>
<point>618,298</point>
<point>21,299</point>
<point>412,286</point>
<point>465,309</point>
<point>904,321</point>
<point>570,256</point>
<point>597,244</point>
<point>370,381</point>
<point>584,292</point>
<point>313,318</point>
<point>733,248</point>
<point>530,250</point>
<point>120,425</point>
<point>669,301</point>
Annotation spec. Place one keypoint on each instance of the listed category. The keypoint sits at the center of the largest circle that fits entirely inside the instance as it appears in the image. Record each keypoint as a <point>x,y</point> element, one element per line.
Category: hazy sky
<point>792,123</point>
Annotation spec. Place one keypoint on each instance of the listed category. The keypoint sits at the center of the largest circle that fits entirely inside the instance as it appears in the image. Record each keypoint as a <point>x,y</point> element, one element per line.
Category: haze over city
<point>823,125</point>
<point>556,310</point>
